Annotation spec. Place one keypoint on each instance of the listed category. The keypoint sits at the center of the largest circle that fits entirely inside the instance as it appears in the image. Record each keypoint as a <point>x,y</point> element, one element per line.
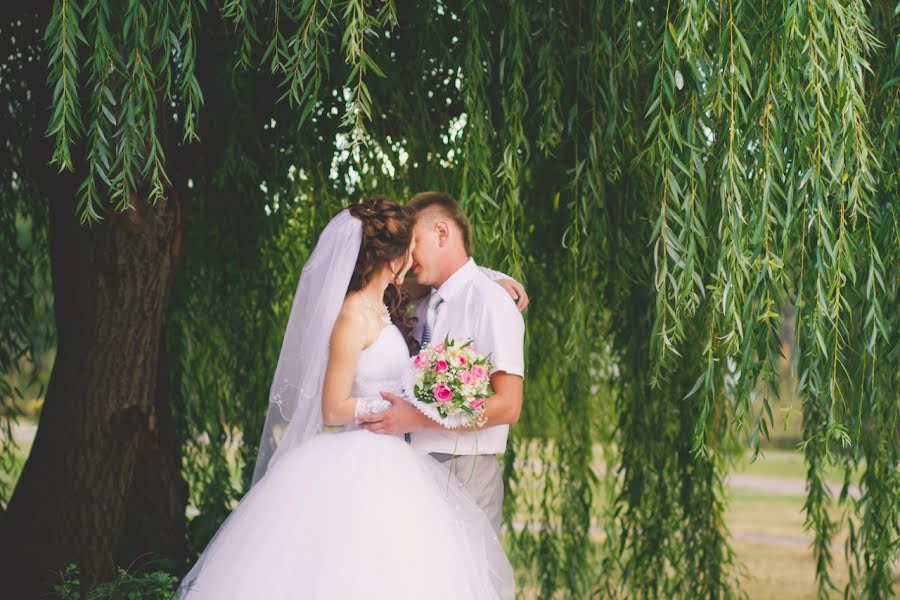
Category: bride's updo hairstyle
<point>386,236</point>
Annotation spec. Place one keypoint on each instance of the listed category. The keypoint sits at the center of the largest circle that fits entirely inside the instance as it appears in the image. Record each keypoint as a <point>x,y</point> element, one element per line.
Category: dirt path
<point>783,486</point>
<point>763,538</point>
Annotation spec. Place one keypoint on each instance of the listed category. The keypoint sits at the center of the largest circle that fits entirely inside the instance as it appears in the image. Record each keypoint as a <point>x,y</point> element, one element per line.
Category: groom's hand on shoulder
<point>401,417</point>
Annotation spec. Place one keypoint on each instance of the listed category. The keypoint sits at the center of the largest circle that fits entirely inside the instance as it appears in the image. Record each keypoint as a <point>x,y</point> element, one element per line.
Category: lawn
<point>768,537</point>
<point>767,529</point>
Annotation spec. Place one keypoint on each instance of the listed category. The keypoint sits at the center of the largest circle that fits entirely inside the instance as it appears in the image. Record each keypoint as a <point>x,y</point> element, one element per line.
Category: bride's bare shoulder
<point>353,322</point>
<point>352,313</point>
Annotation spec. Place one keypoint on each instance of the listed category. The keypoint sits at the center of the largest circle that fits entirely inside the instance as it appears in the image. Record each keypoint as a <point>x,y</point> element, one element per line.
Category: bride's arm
<point>347,341</point>
<point>494,275</point>
<point>515,289</point>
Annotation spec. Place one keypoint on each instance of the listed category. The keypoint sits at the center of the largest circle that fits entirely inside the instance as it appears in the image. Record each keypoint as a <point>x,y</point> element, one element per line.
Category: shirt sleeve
<point>501,334</point>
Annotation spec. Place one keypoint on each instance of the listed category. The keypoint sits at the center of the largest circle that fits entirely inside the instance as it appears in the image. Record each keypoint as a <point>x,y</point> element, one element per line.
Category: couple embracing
<point>370,510</point>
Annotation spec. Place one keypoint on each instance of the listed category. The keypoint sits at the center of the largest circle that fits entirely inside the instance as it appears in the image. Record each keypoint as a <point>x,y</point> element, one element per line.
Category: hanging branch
<point>359,25</point>
<point>760,354</point>
<point>62,38</point>
<point>665,144</point>
<point>104,61</point>
<point>477,185</point>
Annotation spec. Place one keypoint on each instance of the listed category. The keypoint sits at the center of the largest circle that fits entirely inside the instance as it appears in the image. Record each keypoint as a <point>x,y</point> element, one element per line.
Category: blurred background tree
<point>677,184</point>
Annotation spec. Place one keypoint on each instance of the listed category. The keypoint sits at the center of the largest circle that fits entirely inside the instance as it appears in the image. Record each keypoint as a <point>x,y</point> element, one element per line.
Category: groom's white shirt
<point>474,307</point>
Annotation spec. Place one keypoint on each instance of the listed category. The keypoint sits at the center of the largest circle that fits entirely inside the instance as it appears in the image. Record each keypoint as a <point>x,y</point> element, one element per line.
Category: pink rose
<point>479,372</point>
<point>441,393</point>
<point>466,377</point>
<point>459,360</point>
<point>440,347</point>
<point>476,403</point>
<point>440,366</point>
<point>421,361</point>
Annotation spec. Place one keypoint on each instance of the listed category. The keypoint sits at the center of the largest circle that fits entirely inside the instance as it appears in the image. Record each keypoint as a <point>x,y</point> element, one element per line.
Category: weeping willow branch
<point>62,38</point>
<point>476,189</point>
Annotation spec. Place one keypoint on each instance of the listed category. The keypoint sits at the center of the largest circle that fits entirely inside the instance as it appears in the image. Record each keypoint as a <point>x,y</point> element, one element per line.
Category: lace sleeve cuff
<point>369,406</point>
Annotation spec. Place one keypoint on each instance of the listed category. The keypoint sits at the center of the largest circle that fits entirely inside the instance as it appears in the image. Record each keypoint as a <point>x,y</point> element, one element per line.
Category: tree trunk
<point>155,522</point>
<point>100,418</point>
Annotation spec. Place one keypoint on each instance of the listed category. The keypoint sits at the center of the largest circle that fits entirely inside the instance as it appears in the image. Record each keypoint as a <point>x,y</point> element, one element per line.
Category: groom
<point>463,303</point>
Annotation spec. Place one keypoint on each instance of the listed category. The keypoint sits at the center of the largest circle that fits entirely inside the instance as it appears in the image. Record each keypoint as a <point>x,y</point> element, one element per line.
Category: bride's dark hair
<point>387,234</point>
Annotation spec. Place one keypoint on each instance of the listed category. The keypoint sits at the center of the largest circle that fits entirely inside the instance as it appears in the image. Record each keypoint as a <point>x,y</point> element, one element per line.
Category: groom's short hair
<point>449,208</point>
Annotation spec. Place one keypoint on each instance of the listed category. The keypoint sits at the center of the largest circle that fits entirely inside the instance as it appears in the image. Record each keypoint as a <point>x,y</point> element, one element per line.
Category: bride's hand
<point>516,290</point>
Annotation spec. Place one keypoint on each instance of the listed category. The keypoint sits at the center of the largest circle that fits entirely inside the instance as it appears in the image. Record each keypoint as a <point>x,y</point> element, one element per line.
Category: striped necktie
<point>430,317</point>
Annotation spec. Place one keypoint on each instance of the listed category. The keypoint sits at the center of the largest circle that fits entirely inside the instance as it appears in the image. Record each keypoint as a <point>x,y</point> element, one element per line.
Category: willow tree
<point>671,180</point>
<point>106,129</point>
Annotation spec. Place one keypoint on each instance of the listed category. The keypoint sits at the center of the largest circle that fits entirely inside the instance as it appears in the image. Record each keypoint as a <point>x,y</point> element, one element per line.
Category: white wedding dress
<point>355,515</point>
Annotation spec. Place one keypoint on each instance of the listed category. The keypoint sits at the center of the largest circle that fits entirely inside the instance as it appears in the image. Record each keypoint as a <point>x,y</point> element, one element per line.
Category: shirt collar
<point>456,281</point>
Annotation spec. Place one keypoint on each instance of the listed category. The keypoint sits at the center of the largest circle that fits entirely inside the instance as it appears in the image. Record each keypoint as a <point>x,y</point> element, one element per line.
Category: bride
<point>349,514</point>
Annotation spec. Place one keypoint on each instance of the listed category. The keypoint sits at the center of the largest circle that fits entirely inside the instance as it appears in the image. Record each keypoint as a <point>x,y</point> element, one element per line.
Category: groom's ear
<point>443,231</point>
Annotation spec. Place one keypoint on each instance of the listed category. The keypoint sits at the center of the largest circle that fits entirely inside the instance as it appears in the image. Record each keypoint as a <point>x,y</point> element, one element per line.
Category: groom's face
<point>427,252</point>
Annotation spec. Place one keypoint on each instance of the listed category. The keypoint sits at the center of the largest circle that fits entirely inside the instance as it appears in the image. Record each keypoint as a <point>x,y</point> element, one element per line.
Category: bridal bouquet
<point>450,383</point>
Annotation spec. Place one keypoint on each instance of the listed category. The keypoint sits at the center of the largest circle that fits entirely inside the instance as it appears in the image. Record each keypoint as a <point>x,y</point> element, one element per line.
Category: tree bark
<point>154,526</point>
<point>102,410</point>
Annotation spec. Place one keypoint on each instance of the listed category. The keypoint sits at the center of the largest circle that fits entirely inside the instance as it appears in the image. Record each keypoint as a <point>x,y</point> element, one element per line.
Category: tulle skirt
<point>353,515</point>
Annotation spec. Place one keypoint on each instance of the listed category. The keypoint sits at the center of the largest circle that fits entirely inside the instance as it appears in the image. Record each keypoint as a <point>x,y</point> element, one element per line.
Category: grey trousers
<point>480,474</point>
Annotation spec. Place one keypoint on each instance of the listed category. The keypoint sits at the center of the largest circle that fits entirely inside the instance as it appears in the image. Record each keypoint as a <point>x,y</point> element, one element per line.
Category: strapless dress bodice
<point>381,365</point>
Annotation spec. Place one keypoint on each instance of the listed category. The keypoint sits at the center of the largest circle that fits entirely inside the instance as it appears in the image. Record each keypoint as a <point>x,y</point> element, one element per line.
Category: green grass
<point>9,474</point>
<point>769,538</point>
<point>782,572</point>
<point>785,463</point>
<point>767,529</point>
